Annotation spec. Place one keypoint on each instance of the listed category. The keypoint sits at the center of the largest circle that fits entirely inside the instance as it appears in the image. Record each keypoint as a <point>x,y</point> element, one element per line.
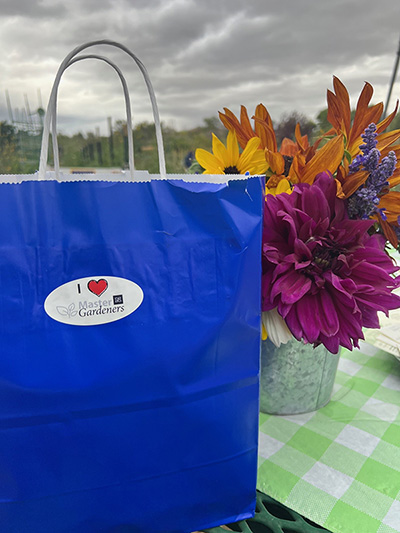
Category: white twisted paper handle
<point>53,112</point>
<point>51,108</point>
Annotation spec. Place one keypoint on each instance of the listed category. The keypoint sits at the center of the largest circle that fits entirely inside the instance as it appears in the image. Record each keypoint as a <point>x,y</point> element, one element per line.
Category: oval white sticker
<point>93,300</point>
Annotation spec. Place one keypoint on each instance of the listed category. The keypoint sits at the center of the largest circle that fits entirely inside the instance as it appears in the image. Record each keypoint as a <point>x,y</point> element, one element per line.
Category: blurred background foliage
<point>19,149</point>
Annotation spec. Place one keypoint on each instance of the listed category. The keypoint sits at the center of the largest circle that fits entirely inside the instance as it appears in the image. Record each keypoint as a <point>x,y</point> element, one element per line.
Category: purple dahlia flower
<point>323,272</point>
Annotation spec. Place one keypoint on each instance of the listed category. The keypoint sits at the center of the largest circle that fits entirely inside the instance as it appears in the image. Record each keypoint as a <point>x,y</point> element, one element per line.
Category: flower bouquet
<point>331,212</point>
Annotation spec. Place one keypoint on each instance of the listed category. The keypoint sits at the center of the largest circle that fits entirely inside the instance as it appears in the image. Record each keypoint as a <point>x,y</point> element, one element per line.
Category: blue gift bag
<point>129,351</point>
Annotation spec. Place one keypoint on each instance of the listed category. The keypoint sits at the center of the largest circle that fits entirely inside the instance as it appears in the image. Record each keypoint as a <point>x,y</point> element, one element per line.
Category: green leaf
<point>347,156</point>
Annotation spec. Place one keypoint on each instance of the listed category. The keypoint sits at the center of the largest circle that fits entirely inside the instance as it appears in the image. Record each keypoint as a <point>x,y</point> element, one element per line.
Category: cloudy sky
<point>202,55</point>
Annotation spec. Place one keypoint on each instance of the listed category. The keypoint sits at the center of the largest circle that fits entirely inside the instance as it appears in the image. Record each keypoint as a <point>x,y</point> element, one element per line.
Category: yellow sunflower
<point>228,160</point>
<point>298,161</point>
<point>282,185</point>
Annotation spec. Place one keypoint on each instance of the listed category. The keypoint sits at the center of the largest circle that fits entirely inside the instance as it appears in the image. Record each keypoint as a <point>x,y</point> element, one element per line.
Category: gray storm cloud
<point>201,56</point>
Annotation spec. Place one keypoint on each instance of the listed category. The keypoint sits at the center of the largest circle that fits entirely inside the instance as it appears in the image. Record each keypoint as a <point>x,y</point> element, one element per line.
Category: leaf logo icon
<point>62,310</point>
<point>67,311</point>
<point>71,310</point>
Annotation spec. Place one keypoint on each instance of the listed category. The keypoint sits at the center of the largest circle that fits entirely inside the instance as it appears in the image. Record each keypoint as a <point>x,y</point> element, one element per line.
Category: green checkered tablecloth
<point>340,466</point>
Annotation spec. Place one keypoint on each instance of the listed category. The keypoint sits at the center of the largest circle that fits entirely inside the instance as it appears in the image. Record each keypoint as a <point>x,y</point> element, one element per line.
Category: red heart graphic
<point>97,287</point>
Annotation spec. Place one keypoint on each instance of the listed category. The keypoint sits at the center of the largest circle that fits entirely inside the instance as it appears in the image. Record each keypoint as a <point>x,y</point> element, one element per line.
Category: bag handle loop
<point>63,66</point>
<point>128,114</point>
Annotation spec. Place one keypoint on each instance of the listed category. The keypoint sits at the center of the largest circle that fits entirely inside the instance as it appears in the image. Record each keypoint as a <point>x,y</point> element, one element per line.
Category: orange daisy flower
<point>296,161</point>
<point>339,115</point>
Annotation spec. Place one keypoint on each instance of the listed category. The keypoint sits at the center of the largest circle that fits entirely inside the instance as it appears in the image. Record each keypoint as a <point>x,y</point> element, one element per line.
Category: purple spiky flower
<point>364,201</point>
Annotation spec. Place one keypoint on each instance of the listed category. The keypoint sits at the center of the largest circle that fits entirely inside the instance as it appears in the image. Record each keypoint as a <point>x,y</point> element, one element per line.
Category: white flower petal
<point>276,327</point>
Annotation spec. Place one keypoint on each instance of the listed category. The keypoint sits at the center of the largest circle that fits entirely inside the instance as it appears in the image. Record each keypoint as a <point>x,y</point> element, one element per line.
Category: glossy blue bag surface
<point>129,354</point>
<point>151,418</point>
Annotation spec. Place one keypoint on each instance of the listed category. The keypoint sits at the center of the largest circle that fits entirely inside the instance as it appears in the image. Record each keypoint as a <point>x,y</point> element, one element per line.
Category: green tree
<point>395,124</point>
<point>287,125</point>
<point>323,125</point>
<point>10,162</point>
<point>322,122</point>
